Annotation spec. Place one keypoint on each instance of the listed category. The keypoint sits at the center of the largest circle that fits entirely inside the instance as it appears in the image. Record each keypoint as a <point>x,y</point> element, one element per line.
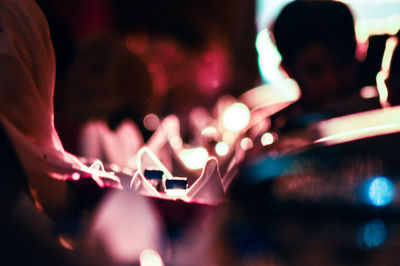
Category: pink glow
<point>369,92</point>
<point>126,224</point>
<point>76,176</point>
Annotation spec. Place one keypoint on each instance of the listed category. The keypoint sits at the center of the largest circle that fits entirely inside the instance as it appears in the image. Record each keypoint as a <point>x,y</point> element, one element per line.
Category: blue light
<point>372,234</point>
<point>381,191</point>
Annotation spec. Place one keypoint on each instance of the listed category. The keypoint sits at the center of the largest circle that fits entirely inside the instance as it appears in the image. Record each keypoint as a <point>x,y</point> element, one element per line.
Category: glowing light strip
<point>383,74</point>
<point>373,131</point>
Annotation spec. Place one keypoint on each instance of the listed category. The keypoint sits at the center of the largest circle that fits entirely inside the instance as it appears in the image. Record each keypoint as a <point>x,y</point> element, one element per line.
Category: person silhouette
<point>317,42</point>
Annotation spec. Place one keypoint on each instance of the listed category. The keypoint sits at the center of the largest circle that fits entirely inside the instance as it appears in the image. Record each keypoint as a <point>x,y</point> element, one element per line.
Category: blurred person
<point>317,42</point>
<point>373,60</point>
<point>393,81</point>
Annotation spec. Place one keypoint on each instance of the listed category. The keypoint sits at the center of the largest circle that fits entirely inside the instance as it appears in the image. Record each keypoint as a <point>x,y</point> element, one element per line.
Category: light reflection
<point>236,117</point>
<point>194,158</point>
<point>221,148</point>
<point>66,243</point>
<point>267,139</point>
<point>150,257</point>
<point>381,191</point>
<point>372,234</point>
<point>175,192</point>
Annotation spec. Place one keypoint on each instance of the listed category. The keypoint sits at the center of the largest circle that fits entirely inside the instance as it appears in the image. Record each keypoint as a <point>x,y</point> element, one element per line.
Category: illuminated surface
<point>236,117</point>
<point>194,158</point>
<point>175,192</point>
<point>221,148</point>
<point>381,191</point>
<point>372,234</point>
<point>267,139</point>
<point>150,257</point>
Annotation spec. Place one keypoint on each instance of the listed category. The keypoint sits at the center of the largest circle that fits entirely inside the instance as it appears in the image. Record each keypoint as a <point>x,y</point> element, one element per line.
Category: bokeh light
<point>246,144</point>
<point>76,176</point>
<point>372,234</point>
<point>236,117</point>
<point>221,148</point>
<point>151,122</point>
<point>267,139</point>
<point>381,191</point>
<point>194,158</point>
<point>150,257</point>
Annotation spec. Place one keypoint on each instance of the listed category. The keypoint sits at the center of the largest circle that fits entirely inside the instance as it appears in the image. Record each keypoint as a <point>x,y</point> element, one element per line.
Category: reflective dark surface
<point>323,203</point>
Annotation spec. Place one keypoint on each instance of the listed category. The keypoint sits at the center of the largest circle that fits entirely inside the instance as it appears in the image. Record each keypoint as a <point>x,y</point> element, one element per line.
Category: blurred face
<point>321,74</point>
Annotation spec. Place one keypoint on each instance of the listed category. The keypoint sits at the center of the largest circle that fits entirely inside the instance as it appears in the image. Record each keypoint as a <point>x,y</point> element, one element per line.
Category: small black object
<point>153,174</point>
<point>176,183</point>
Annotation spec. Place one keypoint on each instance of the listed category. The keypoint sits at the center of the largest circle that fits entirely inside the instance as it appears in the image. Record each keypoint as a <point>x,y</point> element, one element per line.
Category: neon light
<point>381,191</point>
<point>236,117</point>
<point>222,148</point>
